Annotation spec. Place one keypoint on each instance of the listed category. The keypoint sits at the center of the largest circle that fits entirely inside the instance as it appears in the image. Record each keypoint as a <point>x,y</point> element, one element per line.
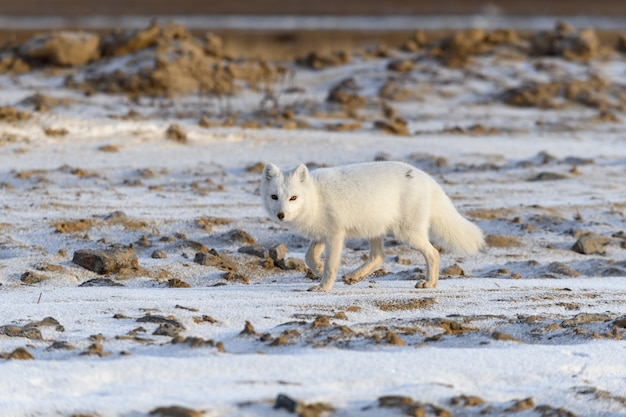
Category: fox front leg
<point>334,245</point>
<point>312,258</point>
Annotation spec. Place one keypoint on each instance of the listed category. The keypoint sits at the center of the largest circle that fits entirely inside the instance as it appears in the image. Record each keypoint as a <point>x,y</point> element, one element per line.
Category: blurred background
<point>285,28</point>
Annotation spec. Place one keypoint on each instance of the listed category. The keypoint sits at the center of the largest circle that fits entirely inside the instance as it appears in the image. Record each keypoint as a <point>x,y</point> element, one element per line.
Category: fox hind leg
<point>377,256</point>
<point>431,255</point>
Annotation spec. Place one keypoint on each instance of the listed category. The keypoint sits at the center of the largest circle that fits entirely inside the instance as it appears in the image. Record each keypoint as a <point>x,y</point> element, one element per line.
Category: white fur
<point>367,200</point>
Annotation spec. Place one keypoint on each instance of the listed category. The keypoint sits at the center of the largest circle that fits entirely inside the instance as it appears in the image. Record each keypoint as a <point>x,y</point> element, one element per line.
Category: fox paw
<point>422,283</point>
<point>351,279</point>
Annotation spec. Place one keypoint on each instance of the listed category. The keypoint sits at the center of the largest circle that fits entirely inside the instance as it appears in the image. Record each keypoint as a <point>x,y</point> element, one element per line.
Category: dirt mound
<point>160,60</point>
<point>567,42</point>
<point>66,49</point>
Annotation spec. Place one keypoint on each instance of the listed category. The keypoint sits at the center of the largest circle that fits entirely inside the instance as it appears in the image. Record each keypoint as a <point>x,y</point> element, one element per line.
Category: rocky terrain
<point>135,257</point>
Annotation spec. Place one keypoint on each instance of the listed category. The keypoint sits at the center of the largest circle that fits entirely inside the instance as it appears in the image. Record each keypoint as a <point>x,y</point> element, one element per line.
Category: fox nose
<point>280,215</point>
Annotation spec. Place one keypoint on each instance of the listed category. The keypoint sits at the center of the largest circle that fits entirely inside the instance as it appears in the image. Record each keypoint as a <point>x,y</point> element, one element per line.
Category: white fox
<point>367,200</point>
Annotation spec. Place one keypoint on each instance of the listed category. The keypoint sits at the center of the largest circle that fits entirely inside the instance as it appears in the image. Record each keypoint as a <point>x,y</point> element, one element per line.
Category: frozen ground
<point>528,327</point>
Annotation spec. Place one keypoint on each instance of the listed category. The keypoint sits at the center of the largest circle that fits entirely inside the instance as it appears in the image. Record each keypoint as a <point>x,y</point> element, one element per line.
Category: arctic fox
<point>367,200</point>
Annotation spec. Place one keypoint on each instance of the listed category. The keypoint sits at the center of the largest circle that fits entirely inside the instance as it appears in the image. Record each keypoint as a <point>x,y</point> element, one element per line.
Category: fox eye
<point>293,198</point>
<point>274,197</point>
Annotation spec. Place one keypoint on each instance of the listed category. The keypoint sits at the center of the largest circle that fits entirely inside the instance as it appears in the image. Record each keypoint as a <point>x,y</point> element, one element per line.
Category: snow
<point>581,368</point>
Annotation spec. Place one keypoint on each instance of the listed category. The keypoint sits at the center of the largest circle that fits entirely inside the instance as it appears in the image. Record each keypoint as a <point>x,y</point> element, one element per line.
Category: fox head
<point>284,192</point>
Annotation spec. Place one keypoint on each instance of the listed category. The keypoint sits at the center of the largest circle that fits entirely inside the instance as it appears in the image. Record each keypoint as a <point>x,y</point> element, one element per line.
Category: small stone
<point>320,322</point>
<point>584,318</point>
<point>453,270</point>
<point>238,236</point>
<point>278,252</point>
<point>292,264</point>
<point>562,269</point>
<point>178,283</point>
<point>248,330</point>
<point>504,337</point>
<point>144,242</point>
<point>167,329</point>
<point>285,402</point>
<point>176,133</point>
<point>20,354</point>
<point>101,282</point>
<point>213,258</point>
<point>521,405</point>
<point>393,339</point>
<point>158,254</point>
<point>12,330</point>
<point>175,411</point>
<point>548,176</point>
<point>161,320</point>
<point>30,277</point>
<point>394,401</point>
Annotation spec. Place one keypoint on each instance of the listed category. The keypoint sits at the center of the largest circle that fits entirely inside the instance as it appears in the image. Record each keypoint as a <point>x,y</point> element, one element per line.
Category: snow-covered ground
<point>530,326</point>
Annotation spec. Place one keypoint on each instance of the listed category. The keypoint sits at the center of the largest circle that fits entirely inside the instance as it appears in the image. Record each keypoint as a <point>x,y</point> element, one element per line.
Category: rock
<point>453,270</point>
<point>175,411</point>
<point>10,114</point>
<point>590,244</point>
<point>178,283</point>
<point>170,321</point>
<point>504,337</point>
<point>12,330</point>
<point>236,277</point>
<point>503,241</point>
<point>167,329</point>
<point>238,236</point>
<point>30,277</point>
<point>620,322</point>
<point>116,217</point>
<point>248,330</point>
<point>393,339</point>
<point>292,264</point>
<point>548,176</point>
<point>285,402</point>
<point>562,269</point>
<point>176,133</point>
<point>393,401</point>
<point>401,65</point>
<point>397,126</point>
<point>345,94</point>
<point>131,41</point>
<point>532,95</point>
<point>65,48</point>
<point>158,254</point>
<point>60,344</point>
<point>584,318</point>
<point>73,226</point>
<point>215,259</point>
<point>318,60</point>
<point>521,405</point>
<point>101,282</point>
<point>106,261</point>
<point>18,354</point>
<point>467,400</point>
<point>275,252</point>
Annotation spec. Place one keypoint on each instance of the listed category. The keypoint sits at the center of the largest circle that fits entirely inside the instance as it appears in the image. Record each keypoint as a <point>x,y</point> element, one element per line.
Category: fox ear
<point>270,171</point>
<point>301,172</point>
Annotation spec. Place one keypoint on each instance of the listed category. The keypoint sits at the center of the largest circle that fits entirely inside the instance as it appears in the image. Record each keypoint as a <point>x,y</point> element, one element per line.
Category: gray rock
<point>215,259</point>
<point>106,261</point>
<point>590,244</point>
